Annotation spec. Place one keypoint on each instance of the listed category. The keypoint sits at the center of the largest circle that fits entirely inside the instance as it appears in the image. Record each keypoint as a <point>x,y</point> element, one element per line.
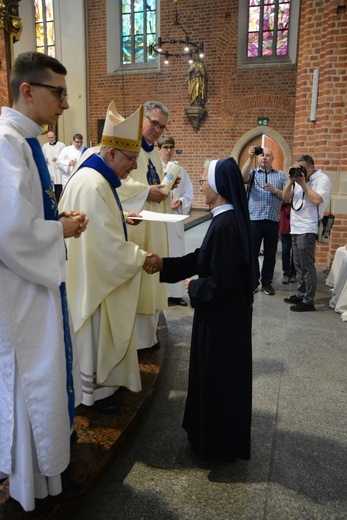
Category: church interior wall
<point>236,97</point>
<point>323,47</point>
<point>71,51</point>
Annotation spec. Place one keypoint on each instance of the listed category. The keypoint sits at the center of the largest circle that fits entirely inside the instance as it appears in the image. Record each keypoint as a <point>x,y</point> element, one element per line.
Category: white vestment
<point>32,351</point>
<point>150,236</point>
<point>103,284</point>
<point>52,151</point>
<point>68,154</point>
<point>185,193</point>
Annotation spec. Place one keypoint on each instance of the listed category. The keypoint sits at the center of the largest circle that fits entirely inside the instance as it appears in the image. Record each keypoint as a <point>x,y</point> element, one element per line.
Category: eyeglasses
<point>59,91</point>
<point>156,125</point>
<point>78,142</point>
<point>131,159</point>
<point>168,147</point>
<point>202,181</point>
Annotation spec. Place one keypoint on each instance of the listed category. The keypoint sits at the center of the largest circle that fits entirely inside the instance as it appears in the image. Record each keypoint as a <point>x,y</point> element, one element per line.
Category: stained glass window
<point>138,30</point>
<point>268,28</point>
<point>44,27</point>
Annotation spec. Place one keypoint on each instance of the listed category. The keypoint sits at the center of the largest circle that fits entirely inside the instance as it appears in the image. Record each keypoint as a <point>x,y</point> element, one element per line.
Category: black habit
<point>218,410</point>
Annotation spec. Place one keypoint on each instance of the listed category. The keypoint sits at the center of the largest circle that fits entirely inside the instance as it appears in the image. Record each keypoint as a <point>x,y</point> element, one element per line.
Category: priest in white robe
<point>142,191</point>
<point>69,156</point>
<point>181,203</point>
<point>51,151</point>
<point>36,391</point>
<point>104,268</point>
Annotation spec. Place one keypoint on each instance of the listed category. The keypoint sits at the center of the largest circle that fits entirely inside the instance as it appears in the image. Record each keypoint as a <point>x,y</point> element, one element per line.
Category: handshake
<point>153,263</point>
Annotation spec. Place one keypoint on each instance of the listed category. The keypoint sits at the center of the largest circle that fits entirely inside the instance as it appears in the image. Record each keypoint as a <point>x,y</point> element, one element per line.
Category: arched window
<point>137,23</point>
<point>44,27</point>
<point>268,31</point>
<point>138,30</point>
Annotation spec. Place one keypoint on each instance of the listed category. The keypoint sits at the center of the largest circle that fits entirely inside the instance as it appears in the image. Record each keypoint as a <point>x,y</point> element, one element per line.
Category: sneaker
<point>302,307</point>
<point>293,279</point>
<point>293,299</point>
<point>268,289</point>
<point>285,280</point>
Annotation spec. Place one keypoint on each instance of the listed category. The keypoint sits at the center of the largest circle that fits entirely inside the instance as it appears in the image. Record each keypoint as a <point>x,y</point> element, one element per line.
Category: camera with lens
<point>258,150</point>
<point>298,171</point>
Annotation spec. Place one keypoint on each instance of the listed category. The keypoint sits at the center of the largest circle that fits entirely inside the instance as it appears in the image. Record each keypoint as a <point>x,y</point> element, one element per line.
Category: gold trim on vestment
<point>122,144</point>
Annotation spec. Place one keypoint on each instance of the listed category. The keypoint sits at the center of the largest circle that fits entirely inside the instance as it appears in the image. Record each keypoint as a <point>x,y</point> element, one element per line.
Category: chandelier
<point>177,48</point>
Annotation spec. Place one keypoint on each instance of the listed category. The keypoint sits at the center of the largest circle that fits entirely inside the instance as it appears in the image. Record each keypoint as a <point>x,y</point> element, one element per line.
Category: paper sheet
<point>160,217</point>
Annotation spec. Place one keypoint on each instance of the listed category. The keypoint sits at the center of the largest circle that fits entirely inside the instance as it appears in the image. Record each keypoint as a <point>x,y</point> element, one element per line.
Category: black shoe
<point>268,289</point>
<point>73,437</point>
<point>106,405</point>
<point>302,307</point>
<point>177,301</point>
<point>71,491</point>
<point>293,299</point>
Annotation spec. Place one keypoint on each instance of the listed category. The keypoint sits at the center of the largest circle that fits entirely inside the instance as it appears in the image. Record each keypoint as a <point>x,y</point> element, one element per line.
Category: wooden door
<point>266,142</point>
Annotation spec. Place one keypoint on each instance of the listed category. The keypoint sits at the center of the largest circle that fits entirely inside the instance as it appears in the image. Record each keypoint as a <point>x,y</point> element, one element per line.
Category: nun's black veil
<point>230,186</point>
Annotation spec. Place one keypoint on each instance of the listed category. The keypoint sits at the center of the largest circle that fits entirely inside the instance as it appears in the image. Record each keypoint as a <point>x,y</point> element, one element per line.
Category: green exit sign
<point>263,121</point>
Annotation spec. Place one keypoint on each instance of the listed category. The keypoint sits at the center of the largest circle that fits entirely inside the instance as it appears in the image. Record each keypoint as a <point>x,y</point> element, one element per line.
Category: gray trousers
<point>304,249</point>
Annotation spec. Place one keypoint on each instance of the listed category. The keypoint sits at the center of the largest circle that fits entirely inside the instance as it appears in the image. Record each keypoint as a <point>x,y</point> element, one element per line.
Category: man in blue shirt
<point>265,185</point>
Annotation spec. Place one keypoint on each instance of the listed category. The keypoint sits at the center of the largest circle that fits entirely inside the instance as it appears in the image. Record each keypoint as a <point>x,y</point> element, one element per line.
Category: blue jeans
<point>304,249</point>
<point>266,230</point>
<point>288,267</point>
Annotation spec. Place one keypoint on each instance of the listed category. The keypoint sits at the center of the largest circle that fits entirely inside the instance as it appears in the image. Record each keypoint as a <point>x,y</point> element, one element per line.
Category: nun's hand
<point>186,284</point>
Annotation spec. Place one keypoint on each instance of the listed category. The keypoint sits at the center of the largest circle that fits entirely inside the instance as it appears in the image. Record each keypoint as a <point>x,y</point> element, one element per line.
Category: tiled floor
<point>101,436</point>
<point>299,439</point>
<point>298,465</point>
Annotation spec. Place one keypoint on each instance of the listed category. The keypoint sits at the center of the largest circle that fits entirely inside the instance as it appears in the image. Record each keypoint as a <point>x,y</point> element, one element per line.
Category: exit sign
<point>263,121</point>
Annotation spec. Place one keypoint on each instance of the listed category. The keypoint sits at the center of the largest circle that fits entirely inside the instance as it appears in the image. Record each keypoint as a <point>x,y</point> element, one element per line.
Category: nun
<point>218,410</point>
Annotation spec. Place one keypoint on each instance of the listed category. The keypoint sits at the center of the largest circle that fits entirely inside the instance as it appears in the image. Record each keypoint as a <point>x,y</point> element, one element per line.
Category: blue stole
<point>51,213</point>
<point>97,163</point>
<point>152,176</point>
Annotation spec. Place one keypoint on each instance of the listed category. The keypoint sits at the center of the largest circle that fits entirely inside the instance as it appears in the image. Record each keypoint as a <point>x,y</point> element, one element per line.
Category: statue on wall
<point>10,31</point>
<point>197,80</point>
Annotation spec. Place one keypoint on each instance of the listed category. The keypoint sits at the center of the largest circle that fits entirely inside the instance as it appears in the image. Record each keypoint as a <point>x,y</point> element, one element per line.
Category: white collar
<point>221,209</point>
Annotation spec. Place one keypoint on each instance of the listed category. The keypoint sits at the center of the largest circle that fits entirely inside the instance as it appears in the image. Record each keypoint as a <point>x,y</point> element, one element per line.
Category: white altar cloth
<point>337,279</point>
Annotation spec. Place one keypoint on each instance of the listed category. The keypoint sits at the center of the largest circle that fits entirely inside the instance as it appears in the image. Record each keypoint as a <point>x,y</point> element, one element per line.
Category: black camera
<point>258,150</point>
<point>298,171</point>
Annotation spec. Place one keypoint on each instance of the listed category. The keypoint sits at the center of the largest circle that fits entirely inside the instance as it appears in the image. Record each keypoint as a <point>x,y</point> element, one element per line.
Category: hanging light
<point>170,47</point>
<point>201,50</point>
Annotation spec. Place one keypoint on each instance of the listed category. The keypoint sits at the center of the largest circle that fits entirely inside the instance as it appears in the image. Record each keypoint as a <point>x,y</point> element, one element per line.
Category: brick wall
<point>237,97</point>
<point>323,46</point>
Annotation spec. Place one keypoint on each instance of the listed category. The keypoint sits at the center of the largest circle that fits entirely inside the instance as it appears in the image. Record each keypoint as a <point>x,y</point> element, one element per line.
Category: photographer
<point>265,185</point>
<point>308,190</point>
